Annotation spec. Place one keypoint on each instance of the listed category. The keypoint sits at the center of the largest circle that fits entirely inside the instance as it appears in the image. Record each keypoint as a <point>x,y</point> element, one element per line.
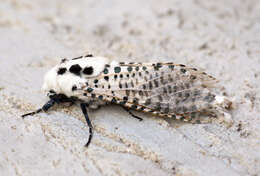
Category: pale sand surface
<point>220,37</point>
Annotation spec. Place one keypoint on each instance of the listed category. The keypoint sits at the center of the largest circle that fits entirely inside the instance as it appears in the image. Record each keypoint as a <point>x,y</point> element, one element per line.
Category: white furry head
<point>70,74</point>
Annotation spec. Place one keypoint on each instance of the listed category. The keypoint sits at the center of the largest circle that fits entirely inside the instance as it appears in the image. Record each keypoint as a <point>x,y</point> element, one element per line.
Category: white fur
<point>62,84</point>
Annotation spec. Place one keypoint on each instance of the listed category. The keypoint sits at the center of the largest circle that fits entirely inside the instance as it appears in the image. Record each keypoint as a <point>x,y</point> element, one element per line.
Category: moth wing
<point>165,88</point>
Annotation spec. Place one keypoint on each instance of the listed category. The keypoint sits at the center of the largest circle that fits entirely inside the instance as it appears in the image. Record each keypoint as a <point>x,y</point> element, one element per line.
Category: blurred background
<point>220,37</point>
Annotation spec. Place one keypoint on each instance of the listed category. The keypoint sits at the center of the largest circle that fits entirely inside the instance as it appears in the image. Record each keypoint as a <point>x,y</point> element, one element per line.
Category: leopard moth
<point>163,89</point>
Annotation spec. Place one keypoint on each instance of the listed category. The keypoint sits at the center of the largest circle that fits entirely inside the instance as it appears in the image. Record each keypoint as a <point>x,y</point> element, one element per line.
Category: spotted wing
<point>160,88</point>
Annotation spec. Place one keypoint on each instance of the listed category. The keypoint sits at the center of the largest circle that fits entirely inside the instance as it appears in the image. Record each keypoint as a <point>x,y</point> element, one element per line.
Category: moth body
<point>163,89</point>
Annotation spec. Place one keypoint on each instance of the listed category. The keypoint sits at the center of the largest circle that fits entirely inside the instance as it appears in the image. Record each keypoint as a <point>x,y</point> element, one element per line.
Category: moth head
<point>64,77</point>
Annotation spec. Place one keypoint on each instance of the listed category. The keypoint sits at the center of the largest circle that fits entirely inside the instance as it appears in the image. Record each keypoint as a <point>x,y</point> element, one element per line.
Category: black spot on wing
<point>75,69</point>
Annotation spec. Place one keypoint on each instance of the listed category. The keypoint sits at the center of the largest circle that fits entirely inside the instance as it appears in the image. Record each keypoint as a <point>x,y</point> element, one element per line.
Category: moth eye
<point>88,70</point>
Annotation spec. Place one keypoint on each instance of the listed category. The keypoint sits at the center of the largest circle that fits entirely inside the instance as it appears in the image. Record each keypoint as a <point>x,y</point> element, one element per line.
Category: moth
<point>163,89</point>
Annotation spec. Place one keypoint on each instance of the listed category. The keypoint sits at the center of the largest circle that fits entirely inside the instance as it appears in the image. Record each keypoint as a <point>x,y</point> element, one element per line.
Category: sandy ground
<point>221,37</point>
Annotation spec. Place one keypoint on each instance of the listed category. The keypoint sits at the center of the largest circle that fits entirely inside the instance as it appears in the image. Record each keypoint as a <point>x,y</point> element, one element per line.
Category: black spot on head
<point>75,69</point>
<point>96,81</point>
<point>74,87</point>
<point>144,68</point>
<point>115,76</point>
<point>88,70</point>
<point>61,71</point>
<point>84,94</point>
<point>121,76</point>
<point>100,97</point>
<point>137,68</point>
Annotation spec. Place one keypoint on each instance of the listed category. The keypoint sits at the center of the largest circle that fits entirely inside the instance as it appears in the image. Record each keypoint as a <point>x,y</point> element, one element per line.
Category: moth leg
<point>83,107</point>
<point>44,108</point>
<point>134,116</point>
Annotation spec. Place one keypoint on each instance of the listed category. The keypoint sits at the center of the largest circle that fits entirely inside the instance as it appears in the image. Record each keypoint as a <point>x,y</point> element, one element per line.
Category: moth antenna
<point>44,108</point>
<point>32,113</point>
<point>134,116</point>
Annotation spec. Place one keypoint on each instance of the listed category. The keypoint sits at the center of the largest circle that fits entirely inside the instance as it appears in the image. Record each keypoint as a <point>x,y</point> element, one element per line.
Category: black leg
<point>83,107</point>
<point>134,116</point>
<point>44,108</point>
